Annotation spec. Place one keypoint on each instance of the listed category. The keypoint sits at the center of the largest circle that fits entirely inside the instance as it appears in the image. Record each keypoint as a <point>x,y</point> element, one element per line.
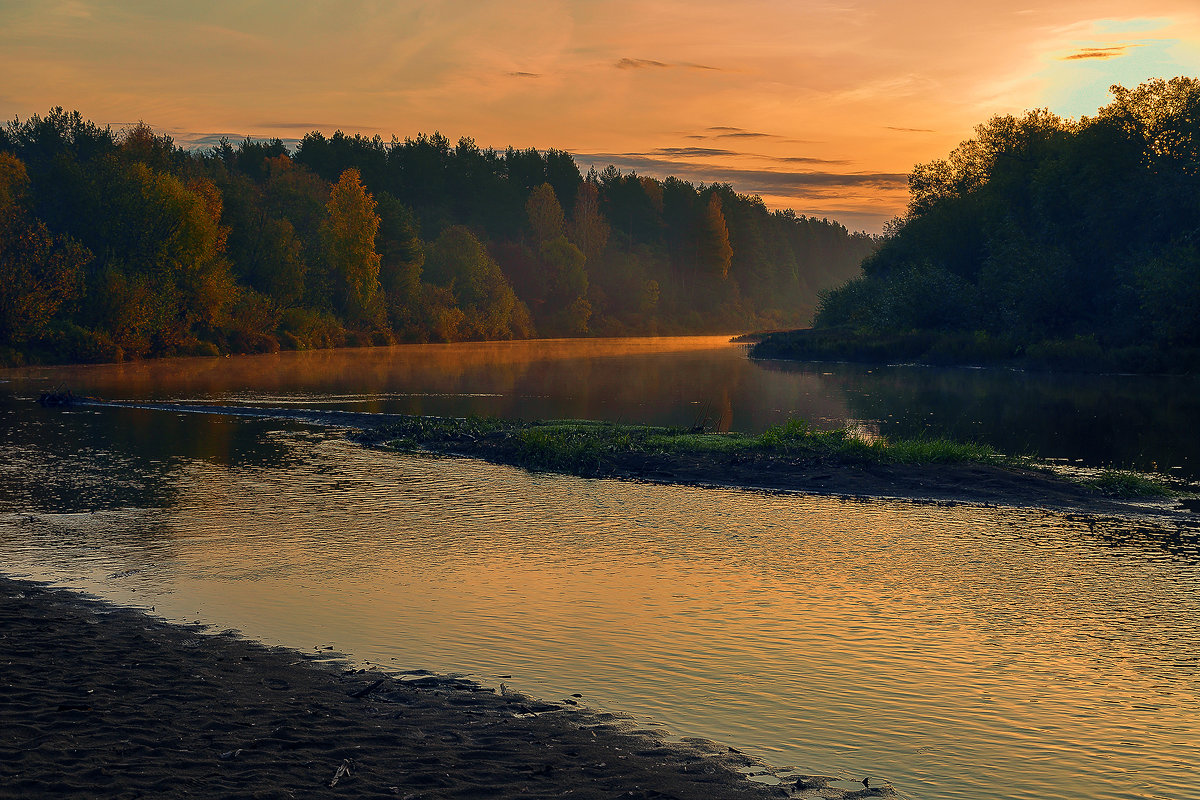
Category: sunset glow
<point>818,106</point>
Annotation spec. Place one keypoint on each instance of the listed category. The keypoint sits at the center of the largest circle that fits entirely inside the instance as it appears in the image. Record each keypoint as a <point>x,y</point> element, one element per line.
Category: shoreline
<point>107,701</point>
<point>964,483</point>
<point>962,350</point>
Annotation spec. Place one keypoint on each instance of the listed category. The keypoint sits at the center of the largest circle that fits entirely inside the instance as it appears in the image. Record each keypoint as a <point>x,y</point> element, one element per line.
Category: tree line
<point>1046,240</point>
<point>117,245</point>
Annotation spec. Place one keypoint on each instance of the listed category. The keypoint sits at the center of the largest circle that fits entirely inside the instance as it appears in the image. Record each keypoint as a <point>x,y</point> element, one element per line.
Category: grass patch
<point>1123,483</point>
<point>596,449</point>
<point>591,447</point>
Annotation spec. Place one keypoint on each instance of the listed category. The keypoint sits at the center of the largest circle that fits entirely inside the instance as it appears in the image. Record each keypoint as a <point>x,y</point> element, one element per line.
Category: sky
<point>822,106</point>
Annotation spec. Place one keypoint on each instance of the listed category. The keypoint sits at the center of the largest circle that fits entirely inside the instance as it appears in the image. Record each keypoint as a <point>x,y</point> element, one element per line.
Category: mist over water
<point>1132,421</point>
<point>957,652</point>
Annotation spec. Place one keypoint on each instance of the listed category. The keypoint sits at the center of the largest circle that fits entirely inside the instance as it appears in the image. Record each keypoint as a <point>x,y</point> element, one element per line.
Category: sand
<point>98,701</point>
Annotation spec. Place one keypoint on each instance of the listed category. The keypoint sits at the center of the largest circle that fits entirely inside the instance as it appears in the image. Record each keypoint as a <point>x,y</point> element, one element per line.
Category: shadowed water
<point>957,652</point>
<point>1098,420</point>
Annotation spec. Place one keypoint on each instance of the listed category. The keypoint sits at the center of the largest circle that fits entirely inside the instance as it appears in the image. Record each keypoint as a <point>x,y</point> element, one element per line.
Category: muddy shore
<point>102,701</point>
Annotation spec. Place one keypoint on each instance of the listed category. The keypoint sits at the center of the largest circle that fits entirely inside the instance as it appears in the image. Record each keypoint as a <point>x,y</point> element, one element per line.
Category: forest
<point>122,245</point>
<point>1041,242</point>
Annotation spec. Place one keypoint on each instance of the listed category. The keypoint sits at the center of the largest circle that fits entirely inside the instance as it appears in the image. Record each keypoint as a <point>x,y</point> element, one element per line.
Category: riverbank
<point>970,349</point>
<point>104,701</point>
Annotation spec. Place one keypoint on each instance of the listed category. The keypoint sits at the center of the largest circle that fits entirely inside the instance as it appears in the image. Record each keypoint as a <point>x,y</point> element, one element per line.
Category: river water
<point>956,652</point>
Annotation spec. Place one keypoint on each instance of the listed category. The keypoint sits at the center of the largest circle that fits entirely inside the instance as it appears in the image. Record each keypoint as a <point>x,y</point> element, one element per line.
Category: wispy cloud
<point>731,132</point>
<point>804,160</point>
<point>640,63</point>
<point>711,152</point>
<point>1098,52</point>
<point>694,152</point>
<point>191,140</point>
<point>754,181</point>
<point>646,63</point>
<point>908,130</point>
<point>525,74</point>
<point>308,126</point>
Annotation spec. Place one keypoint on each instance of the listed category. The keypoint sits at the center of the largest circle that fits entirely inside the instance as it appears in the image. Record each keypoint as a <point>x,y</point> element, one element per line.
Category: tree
<point>164,237</point>
<point>40,273</point>
<point>1169,293</point>
<point>588,229</point>
<point>140,143</point>
<point>1165,117</point>
<point>545,214</point>
<point>14,183</point>
<point>348,238</point>
<point>715,251</point>
<point>458,261</point>
<point>402,256</point>
<point>566,307</point>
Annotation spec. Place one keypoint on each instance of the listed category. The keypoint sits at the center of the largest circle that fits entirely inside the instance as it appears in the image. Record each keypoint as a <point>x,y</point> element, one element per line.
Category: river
<point>956,652</point>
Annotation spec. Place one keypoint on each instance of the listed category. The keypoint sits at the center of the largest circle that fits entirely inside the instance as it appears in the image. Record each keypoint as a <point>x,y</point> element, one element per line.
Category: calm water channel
<point>957,652</point>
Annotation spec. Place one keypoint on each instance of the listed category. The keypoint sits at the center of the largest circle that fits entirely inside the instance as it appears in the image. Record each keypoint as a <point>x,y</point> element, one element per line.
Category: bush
<point>71,343</point>
<point>1081,353</point>
<point>306,329</point>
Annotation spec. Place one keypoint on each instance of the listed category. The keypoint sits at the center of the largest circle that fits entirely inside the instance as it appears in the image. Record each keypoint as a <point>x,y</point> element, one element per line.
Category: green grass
<point>1123,483</point>
<point>594,448</point>
<point>584,445</point>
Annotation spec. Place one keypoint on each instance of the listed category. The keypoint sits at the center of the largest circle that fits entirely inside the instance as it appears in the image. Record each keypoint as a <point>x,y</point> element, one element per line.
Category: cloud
<point>525,74</point>
<point>804,160</point>
<point>1098,52</point>
<point>646,63</point>
<point>757,181</point>
<point>640,63</point>
<point>908,130</point>
<point>692,152</point>
<point>666,154</point>
<point>190,140</point>
<point>308,126</point>
<point>730,132</point>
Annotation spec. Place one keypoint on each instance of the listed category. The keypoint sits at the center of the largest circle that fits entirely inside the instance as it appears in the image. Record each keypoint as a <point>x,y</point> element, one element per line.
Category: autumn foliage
<point>123,245</point>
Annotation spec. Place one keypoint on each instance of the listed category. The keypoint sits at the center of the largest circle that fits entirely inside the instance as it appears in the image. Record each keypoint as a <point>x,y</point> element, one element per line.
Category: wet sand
<point>102,701</point>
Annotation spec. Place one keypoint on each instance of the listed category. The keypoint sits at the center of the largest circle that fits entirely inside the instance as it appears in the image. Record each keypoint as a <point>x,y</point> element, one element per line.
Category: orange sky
<point>822,106</point>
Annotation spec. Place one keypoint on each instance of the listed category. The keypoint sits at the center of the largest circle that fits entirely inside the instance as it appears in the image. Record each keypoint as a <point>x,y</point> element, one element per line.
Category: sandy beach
<point>103,701</point>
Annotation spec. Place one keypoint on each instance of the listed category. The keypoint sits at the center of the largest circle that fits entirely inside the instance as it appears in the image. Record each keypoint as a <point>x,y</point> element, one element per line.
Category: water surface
<point>1096,420</point>
<point>958,652</point>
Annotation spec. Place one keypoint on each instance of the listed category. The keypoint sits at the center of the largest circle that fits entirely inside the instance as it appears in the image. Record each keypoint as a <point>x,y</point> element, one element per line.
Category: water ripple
<point>960,652</point>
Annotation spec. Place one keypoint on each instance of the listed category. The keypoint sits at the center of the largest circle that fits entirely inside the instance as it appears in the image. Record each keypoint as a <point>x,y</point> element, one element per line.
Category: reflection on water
<point>1099,420</point>
<point>86,459</point>
<point>1128,421</point>
<point>957,652</point>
